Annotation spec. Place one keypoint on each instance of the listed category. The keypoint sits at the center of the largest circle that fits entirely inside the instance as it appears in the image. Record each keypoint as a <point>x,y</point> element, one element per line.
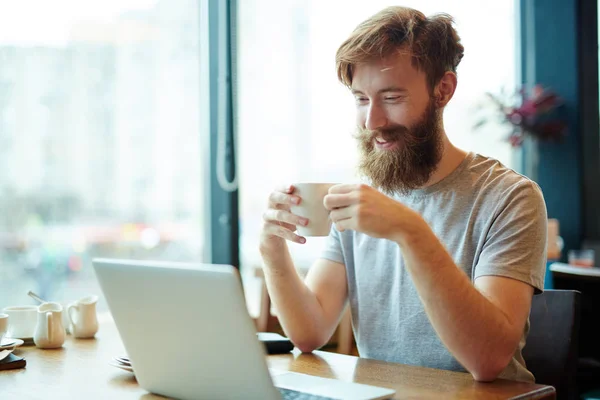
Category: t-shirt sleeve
<point>333,247</point>
<point>515,245</point>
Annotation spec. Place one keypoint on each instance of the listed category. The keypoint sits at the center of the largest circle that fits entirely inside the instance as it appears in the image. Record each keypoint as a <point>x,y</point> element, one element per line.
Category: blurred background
<point>109,131</point>
<point>102,147</point>
<point>99,140</point>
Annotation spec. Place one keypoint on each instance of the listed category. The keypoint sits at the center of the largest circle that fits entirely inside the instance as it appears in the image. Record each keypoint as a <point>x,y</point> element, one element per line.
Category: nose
<point>376,117</point>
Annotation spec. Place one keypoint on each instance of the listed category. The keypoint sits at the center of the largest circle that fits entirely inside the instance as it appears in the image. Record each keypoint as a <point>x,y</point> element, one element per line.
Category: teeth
<point>380,140</point>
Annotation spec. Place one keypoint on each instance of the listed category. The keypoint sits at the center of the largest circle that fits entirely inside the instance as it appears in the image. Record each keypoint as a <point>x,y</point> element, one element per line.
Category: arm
<point>309,311</point>
<point>480,324</point>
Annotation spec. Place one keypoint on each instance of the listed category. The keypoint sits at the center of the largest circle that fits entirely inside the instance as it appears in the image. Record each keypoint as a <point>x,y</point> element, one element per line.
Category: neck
<point>452,156</point>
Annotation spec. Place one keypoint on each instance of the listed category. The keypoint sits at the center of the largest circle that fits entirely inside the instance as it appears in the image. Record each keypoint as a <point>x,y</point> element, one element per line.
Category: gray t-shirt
<point>491,220</point>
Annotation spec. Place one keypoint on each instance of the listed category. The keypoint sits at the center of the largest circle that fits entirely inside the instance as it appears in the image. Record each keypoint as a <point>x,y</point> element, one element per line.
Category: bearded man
<point>440,251</point>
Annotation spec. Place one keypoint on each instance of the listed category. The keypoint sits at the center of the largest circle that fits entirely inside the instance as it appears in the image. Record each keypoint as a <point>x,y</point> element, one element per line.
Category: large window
<point>103,130</point>
<point>100,152</point>
<point>296,119</point>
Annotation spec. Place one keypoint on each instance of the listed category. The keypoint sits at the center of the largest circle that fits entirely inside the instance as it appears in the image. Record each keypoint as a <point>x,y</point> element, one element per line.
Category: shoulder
<point>490,177</point>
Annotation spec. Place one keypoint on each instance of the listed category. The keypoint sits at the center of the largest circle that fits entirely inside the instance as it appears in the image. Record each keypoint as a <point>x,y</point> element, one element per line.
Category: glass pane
<point>100,144</point>
<point>296,119</point>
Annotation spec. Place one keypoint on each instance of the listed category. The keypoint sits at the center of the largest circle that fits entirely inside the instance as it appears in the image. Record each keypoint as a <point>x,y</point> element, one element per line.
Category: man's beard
<point>409,165</point>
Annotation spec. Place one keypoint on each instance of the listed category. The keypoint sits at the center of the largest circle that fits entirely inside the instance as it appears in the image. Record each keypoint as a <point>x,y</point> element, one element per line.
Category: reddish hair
<point>432,42</point>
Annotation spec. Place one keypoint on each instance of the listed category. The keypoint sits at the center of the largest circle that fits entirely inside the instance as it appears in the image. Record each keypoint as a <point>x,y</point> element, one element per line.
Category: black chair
<point>588,372</point>
<point>551,349</point>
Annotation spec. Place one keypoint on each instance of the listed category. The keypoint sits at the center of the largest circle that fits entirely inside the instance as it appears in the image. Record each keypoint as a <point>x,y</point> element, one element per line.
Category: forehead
<point>394,70</point>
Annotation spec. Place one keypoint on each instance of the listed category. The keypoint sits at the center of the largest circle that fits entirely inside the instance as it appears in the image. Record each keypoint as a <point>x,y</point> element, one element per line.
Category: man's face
<point>399,124</point>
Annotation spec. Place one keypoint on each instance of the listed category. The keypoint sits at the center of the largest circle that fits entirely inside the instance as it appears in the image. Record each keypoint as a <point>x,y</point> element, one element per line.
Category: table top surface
<point>574,270</point>
<point>81,369</point>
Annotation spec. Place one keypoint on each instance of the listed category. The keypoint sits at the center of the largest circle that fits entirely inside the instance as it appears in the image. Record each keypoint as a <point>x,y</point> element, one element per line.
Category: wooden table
<point>80,370</point>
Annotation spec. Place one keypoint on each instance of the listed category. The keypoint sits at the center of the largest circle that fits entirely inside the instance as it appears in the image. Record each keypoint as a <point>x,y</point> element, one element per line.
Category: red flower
<point>540,115</point>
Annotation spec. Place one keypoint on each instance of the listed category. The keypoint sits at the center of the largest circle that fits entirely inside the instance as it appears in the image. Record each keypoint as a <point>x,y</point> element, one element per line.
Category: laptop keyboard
<point>289,394</point>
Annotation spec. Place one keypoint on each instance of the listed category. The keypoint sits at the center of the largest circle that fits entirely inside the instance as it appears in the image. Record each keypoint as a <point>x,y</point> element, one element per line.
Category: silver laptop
<point>188,334</point>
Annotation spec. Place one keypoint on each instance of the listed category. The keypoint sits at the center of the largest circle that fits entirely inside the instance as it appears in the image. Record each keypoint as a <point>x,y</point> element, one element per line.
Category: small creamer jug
<point>49,331</point>
<point>82,314</point>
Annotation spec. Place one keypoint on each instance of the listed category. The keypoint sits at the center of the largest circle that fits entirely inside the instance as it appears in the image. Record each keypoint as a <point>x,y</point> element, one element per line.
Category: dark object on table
<point>12,362</point>
<point>275,343</point>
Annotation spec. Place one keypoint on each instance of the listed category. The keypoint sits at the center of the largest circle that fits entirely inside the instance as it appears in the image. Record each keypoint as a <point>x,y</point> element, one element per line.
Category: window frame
<point>590,120</point>
<point>218,20</point>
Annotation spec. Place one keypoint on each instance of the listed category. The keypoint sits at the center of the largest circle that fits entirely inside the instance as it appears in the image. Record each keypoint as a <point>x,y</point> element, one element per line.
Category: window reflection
<point>99,141</point>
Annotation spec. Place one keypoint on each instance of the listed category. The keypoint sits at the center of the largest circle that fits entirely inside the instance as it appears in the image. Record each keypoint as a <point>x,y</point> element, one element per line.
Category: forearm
<point>475,331</point>
<point>298,309</point>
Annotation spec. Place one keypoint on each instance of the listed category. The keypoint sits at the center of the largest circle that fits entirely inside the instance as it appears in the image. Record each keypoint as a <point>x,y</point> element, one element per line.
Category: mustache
<point>396,132</point>
<point>389,133</point>
<point>386,133</point>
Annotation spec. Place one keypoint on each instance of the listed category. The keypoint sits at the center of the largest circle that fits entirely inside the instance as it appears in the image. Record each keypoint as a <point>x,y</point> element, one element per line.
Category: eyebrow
<point>384,90</point>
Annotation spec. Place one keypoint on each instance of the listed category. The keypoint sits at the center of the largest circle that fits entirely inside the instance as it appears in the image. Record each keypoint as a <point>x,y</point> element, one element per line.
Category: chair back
<point>550,351</point>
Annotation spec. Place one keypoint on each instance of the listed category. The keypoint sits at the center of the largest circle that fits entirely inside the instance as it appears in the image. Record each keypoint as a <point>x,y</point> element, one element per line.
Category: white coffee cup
<point>82,317</point>
<point>312,208</point>
<point>22,321</point>
<point>3,326</point>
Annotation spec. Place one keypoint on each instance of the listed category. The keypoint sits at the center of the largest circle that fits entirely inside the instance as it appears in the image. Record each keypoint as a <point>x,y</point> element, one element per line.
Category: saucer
<point>122,366</point>
<point>9,343</point>
<point>122,361</point>
<point>26,340</point>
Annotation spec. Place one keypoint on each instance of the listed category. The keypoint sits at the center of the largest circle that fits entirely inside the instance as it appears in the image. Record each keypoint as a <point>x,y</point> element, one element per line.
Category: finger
<point>281,207</point>
<point>291,227</point>
<point>345,224</point>
<point>343,188</point>
<point>341,214</point>
<point>286,189</point>
<point>285,216</point>
<point>283,198</point>
<point>282,232</point>
<point>333,201</point>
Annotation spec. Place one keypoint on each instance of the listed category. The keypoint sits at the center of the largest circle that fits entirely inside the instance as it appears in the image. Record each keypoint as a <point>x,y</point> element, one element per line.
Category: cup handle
<point>69,309</point>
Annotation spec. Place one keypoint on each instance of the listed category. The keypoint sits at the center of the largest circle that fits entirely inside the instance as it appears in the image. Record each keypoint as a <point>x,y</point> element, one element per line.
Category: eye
<point>392,98</point>
<point>361,100</point>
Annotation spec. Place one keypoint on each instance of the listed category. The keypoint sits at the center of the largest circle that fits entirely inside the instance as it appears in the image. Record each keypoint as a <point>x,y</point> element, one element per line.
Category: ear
<point>445,88</point>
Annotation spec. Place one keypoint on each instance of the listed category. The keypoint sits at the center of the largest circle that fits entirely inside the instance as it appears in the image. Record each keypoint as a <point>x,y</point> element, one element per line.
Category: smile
<point>383,144</point>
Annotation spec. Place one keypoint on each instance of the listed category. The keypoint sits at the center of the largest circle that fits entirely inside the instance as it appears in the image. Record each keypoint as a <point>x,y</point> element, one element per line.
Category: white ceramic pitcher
<point>83,317</point>
<point>49,331</point>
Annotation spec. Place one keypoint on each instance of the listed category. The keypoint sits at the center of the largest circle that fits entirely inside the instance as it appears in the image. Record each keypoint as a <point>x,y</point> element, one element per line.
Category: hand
<point>364,209</point>
<point>279,222</point>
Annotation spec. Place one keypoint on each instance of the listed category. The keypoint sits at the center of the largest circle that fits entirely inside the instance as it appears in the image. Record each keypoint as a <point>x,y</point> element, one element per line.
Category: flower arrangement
<point>539,115</point>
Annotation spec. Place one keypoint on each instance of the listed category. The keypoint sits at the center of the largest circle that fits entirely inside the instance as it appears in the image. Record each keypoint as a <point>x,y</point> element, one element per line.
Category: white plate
<point>124,367</point>
<point>122,361</point>
<point>24,339</point>
<point>9,343</point>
